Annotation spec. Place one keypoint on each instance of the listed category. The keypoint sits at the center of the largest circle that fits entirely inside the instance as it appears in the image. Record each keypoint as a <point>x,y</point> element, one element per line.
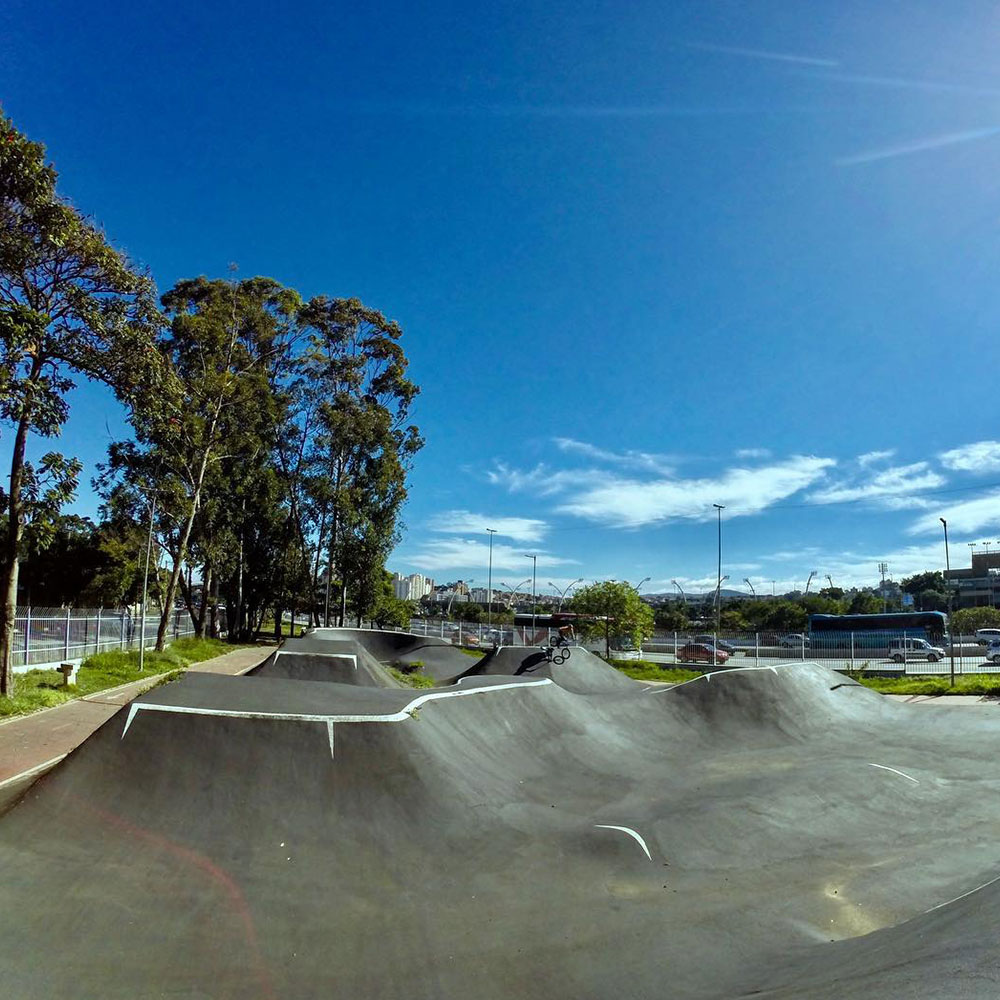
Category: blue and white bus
<point>877,630</point>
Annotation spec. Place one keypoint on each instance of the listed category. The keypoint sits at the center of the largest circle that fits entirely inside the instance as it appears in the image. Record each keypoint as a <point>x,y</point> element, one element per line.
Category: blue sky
<point>647,257</point>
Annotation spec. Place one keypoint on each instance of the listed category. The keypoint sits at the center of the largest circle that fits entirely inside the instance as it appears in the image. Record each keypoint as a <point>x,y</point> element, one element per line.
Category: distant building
<point>979,585</point>
<point>412,587</point>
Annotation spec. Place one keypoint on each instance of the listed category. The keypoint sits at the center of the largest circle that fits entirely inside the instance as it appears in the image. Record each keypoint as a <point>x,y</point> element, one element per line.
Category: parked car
<point>984,636</point>
<point>700,652</point>
<point>710,640</point>
<point>915,649</point>
<point>993,651</point>
<point>795,639</point>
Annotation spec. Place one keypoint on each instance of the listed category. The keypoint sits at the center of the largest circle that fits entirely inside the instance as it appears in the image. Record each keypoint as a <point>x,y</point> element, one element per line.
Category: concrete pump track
<point>521,830</point>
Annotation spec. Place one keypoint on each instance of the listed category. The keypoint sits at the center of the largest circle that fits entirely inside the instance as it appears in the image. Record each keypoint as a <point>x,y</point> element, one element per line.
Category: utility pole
<point>489,582</point>
<point>810,580</point>
<point>746,580</point>
<point>534,589</point>
<point>947,568</point>
<point>718,589</point>
<point>145,580</point>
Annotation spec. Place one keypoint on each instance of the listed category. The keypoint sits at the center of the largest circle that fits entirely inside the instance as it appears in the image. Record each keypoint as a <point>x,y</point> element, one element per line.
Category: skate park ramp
<point>313,658</point>
<point>441,660</point>
<point>772,832</point>
<point>582,672</point>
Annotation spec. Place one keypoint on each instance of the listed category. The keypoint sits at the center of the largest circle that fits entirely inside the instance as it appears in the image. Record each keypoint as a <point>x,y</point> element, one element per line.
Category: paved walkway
<point>31,743</point>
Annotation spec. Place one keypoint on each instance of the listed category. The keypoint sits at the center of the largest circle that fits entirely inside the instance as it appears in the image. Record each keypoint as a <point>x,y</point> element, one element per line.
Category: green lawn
<point>972,684</point>
<point>39,689</point>
<point>646,670</point>
<point>413,676</point>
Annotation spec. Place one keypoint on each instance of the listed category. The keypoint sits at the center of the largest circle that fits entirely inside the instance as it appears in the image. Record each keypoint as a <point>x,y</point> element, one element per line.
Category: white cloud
<point>870,457</point>
<point>542,480</point>
<point>982,456</point>
<point>967,516</point>
<point>634,459</point>
<point>630,503</point>
<point>463,522</point>
<point>456,555</point>
<point>753,453</point>
<point>890,483</point>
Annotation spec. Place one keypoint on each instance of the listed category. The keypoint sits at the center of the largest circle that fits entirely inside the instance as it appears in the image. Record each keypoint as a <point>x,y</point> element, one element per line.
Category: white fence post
<point>66,636</point>
<point>756,649</point>
<point>97,640</point>
<point>27,637</point>
<point>852,650</point>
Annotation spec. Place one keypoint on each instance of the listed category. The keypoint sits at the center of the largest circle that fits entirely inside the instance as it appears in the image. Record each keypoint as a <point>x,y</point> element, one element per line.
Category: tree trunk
<point>15,527</point>
<point>202,620</point>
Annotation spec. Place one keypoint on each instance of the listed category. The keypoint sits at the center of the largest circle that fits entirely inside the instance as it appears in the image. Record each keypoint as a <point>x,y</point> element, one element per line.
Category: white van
<point>984,636</point>
<point>914,649</point>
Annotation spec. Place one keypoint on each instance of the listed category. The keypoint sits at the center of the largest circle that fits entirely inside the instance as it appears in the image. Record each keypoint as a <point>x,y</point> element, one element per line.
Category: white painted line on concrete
<point>964,894</point>
<point>630,832</point>
<point>32,770</point>
<point>337,656</point>
<point>329,734</point>
<point>400,716</point>
<point>894,771</point>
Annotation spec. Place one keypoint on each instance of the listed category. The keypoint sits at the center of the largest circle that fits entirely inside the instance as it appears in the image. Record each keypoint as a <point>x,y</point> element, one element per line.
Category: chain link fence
<point>46,636</point>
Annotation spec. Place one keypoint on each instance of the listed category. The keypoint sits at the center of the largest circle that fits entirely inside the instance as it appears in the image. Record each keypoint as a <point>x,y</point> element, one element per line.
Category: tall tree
<point>70,305</point>
<point>229,344</point>
<point>363,447</point>
<point>612,610</point>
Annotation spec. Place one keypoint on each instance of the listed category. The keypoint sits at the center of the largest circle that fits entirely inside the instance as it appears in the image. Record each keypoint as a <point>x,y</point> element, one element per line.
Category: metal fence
<point>888,652</point>
<point>45,636</point>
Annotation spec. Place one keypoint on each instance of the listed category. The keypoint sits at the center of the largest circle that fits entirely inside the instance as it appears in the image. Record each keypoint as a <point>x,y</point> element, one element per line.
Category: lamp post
<point>489,582</point>
<point>718,589</point>
<point>947,567</point>
<point>746,580</point>
<point>810,580</point>
<point>145,581</point>
<point>514,590</point>
<point>638,585</point>
<point>563,593</point>
<point>680,590</point>
<point>534,573</point>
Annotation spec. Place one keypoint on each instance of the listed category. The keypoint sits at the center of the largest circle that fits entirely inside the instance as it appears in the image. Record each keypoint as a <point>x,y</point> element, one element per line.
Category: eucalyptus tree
<point>71,305</point>
<point>362,448</point>
<point>229,345</point>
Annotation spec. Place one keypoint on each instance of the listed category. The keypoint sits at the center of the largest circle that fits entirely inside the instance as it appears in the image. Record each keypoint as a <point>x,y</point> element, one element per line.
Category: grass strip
<point>647,670</point>
<point>969,684</point>
<point>412,678</point>
<point>38,689</point>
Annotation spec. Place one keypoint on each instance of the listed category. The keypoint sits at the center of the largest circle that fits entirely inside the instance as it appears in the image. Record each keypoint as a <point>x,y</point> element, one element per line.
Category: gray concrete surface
<point>521,833</point>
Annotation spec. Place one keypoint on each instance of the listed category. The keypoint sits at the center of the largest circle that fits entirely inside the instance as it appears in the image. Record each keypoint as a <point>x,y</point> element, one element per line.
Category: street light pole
<point>489,582</point>
<point>534,589</point>
<point>718,589</point>
<point>145,581</point>
<point>638,585</point>
<point>947,566</point>
<point>746,580</point>
<point>563,593</point>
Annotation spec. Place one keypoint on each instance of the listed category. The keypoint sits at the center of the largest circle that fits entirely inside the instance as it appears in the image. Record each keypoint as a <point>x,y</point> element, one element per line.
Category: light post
<point>514,590</point>
<point>638,585</point>
<point>563,593</point>
<point>810,580</point>
<point>746,580</point>
<point>773,582</point>
<point>145,581</point>
<point>718,589</point>
<point>947,567</point>
<point>489,582</point>
<point>534,588</point>
<point>680,590</point>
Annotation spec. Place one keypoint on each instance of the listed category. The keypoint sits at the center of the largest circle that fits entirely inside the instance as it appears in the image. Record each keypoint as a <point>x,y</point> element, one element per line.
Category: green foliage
<point>966,621</point>
<point>70,305</point>
<point>865,603</point>
<point>616,612</point>
<point>672,618</point>
<point>646,670</point>
<point>924,581</point>
<point>966,684</point>
<point>409,676</point>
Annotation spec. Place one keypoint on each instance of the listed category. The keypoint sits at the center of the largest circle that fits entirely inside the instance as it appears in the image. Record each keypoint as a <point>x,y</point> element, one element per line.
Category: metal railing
<point>46,636</point>
<point>889,652</point>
